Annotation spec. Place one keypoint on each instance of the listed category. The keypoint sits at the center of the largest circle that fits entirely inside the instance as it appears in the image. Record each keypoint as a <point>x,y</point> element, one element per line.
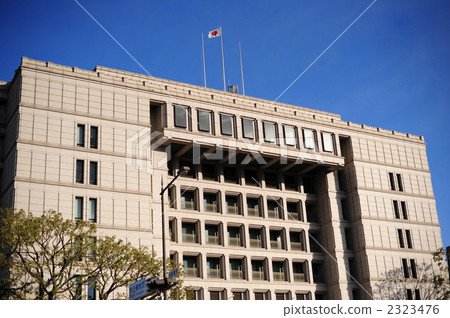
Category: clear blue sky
<point>391,69</point>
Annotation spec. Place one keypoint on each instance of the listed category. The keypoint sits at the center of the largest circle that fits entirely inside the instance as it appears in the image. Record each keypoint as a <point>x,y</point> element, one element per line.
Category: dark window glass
<point>92,210</point>
<point>405,268</point>
<point>248,130</point>
<point>204,120</point>
<point>79,178</point>
<point>404,211</point>
<point>78,208</point>
<point>413,268</point>
<point>401,242</point>
<point>93,172</point>
<point>269,132</point>
<point>80,135</point>
<point>214,295</point>
<point>259,296</point>
<point>226,125</point>
<point>399,181</point>
<point>396,211</point>
<point>417,294</point>
<point>409,295</point>
<point>91,290</point>
<point>180,117</point>
<point>408,239</point>
<point>289,135</point>
<point>94,137</point>
<point>391,181</point>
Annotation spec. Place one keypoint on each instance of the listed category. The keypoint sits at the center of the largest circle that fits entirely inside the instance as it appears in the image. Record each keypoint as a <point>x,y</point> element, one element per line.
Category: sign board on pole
<point>173,273</point>
<point>138,289</point>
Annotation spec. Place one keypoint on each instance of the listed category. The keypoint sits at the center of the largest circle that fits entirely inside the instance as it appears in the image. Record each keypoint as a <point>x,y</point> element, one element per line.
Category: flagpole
<point>242,69</point>
<point>223,63</point>
<point>203,62</point>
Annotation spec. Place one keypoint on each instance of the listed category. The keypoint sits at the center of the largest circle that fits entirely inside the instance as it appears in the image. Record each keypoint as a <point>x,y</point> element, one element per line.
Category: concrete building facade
<point>281,201</point>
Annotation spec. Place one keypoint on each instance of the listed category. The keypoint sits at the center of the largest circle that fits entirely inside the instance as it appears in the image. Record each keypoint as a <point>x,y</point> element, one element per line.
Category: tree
<point>179,291</point>
<point>113,264</point>
<point>40,254</point>
<point>430,281</point>
<point>49,257</point>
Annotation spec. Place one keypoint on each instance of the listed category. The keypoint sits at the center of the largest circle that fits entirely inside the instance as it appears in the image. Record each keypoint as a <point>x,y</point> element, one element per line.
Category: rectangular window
<point>226,125</point>
<point>91,290</point>
<point>408,239</point>
<point>248,128</point>
<point>258,270</point>
<point>404,211</point>
<point>236,269</point>
<point>309,139</point>
<point>299,272</point>
<point>189,232</point>
<point>278,271</point>
<point>215,295</point>
<point>401,241</point>
<point>188,200</point>
<point>409,295</point>
<point>232,203</point>
<point>80,135</point>
<point>92,247</point>
<point>78,208</point>
<point>289,136</point>
<point>79,175</point>
<point>348,239</point>
<point>190,266</point>
<point>213,267</point>
<point>327,142</point>
<point>276,239</point>
<point>399,182</point>
<point>180,116</point>
<point>92,210</point>
<point>405,268</point>
<point>204,120</point>
<point>413,268</point>
<point>93,172</point>
<point>234,236</point>
<point>256,238</point>
<point>269,132</point>
<point>210,202</point>
<point>391,181</point>
<point>77,288</point>
<point>396,211</point>
<point>296,241</point>
<point>94,137</point>
<point>212,234</point>
<point>417,294</point>
<point>253,207</point>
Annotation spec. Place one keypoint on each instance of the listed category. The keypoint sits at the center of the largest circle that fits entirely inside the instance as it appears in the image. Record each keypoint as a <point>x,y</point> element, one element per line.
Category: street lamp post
<point>182,170</point>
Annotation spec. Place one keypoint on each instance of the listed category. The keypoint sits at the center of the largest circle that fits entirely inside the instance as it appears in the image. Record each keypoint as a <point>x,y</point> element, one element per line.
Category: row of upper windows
<point>271,133</point>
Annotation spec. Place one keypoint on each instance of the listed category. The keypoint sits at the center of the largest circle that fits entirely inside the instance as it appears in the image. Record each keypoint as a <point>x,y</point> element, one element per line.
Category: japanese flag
<point>215,33</point>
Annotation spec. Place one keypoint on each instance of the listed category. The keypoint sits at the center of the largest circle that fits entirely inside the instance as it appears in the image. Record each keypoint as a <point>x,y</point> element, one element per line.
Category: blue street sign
<point>138,289</point>
<point>173,273</point>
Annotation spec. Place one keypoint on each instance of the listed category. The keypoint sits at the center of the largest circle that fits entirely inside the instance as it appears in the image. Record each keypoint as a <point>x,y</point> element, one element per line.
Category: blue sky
<point>391,69</point>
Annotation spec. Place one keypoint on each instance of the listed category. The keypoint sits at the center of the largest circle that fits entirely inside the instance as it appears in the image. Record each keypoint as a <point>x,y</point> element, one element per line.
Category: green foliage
<point>180,291</point>
<point>49,257</point>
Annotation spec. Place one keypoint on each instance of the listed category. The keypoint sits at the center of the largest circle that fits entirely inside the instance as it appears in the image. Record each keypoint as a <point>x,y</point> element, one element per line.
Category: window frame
<point>295,136</point>
<point>176,119</point>
<point>93,172</point>
<point>270,139</point>
<point>79,208</point>
<point>199,122</point>
<point>79,171</point>
<point>81,134</point>
<point>93,210</point>
<point>93,137</point>
<point>330,141</point>
<point>232,124</point>
<point>314,138</point>
<point>251,121</point>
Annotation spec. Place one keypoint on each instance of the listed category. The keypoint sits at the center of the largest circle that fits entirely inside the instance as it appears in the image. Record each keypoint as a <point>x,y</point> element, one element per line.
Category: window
<point>413,268</point>
<point>299,271</point>
<point>296,241</point>
<point>301,296</point>
<point>212,234</point>
<point>276,239</point>
<point>180,116</point>
<point>172,230</point>
<point>281,296</point>
<point>230,174</point>
<point>213,267</point>
<point>216,295</point>
<point>253,207</point>
<point>79,175</point>
<point>209,172</point>
<point>327,142</point>
<point>409,295</point>
<point>404,211</point>
<point>94,137</point>
<point>401,241</point>
<point>78,208</point>
<point>274,209</point>
<point>252,178</point>
<point>210,202</point>
<point>345,209</point>
<point>239,296</point>
<point>226,125</point>
<point>91,294</point>
<point>92,210</point>
<point>293,211</point>
<point>314,242</point>
<point>204,120</point>
<point>188,200</point>
<point>278,271</point>
<point>269,132</point>
<point>309,140</point>
<point>391,181</point>
<point>417,294</point>
<point>399,182</point>
<point>248,128</point>
<point>80,135</point>
<point>93,172</point>
<point>349,238</point>
<point>189,232</point>
<point>190,266</point>
<point>396,211</point>
<point>256,238</point>
<point>311,212</point>
<point>262,296</point>
<point>290,182</point>
<point>405,268</point>
<point>234,236</point>
<point>408,239</point>
<point>317,269</point>
<point>236,269</point>
<point>77,288</point>
<point>232,203</point>
<point>289,136</point>
<point>258,270</point>
<point>271,180</point>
